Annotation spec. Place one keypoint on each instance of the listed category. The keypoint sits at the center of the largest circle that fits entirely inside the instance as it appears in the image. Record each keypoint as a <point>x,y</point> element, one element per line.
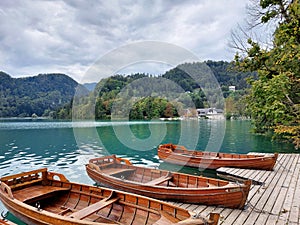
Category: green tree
<point>274,99</point>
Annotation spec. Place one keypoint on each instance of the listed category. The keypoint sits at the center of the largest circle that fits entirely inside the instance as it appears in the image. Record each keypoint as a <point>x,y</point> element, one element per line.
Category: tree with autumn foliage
<point>274,99</point>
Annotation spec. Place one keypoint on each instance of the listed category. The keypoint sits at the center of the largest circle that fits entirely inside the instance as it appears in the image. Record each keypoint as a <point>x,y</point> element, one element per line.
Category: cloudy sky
<point>68,36</point>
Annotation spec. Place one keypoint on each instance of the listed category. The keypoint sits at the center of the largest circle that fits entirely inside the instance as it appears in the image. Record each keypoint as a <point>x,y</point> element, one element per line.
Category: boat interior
<point>89,203</point>
<point>148,176</point>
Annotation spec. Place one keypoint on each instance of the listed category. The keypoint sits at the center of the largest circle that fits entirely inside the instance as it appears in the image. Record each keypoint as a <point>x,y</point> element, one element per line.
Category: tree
<point>274,99</point>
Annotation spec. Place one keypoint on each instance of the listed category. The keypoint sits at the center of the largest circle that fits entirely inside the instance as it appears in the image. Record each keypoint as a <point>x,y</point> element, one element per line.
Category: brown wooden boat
<point>41,197</point>
<point>161,184</point>
<point>6,222</point>
<point>177,154</point>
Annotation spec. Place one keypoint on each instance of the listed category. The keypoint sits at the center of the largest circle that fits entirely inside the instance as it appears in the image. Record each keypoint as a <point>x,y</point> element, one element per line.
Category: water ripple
<point>15,125</point>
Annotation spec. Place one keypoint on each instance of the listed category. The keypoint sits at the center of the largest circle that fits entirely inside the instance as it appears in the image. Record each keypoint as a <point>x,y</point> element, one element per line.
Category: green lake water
<point>65,146</point>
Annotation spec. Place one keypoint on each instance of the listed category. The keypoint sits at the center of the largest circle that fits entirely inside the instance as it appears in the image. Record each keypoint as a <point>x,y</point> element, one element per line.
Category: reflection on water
<point>67,146</point>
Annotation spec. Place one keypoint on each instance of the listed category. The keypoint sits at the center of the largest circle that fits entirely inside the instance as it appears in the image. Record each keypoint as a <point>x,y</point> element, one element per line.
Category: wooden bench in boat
<point>116,171</point>
<point>89,210</point>
<point>37,192</point>
<point>159,180</point>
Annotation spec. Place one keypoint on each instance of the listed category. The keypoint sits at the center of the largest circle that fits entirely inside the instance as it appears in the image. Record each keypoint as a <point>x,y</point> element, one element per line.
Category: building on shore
<point>211,113</point>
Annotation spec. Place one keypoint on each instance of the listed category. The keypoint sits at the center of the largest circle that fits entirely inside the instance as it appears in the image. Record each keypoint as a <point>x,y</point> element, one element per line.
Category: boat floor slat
<point>85,212</point>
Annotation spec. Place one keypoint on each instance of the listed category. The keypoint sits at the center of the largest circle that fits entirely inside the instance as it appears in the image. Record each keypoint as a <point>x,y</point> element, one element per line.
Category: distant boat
<point>177,154</point>
<point>41,197</point>
<point>161,184</point>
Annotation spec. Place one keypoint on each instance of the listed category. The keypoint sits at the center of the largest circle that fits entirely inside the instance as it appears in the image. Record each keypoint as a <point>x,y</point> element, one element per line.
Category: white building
<point>211,113</point>
<point>231,88</point>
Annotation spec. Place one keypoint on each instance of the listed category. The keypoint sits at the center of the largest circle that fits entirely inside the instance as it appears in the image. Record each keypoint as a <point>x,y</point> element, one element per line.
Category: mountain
<point>37,95</point>
<point>90,86</point>
<point>190,77</point>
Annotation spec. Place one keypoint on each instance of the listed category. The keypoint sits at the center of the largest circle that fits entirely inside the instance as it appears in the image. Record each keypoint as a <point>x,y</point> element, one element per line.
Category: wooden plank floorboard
<point>295,209</point>
<point>276,201</point>
<point>275,188</point>
<point>283,203</point>
<point>261,198</point>
<point>192,207</point>
<point>200,208</point>
<point>253,200</point>
<point>255,175</point>
<point>287,205</point>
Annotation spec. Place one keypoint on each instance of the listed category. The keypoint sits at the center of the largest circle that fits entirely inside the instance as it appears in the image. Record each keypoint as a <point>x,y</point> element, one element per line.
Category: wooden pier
<point>274,198</point>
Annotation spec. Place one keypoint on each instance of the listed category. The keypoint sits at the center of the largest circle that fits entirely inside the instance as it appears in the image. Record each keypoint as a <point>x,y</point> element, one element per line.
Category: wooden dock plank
<point>292,176</point>
<point>273,191</point>
<point>223,215</point>
<point>276,201</point>
<point>253,199</point>
<point>281,187</point>
<point>287,204</point>
<point>259,199</point>
<point>295,210</point>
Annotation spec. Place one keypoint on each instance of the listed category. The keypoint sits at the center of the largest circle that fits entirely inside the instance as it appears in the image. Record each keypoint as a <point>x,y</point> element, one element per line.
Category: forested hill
<point>51,94</point>
<point>223,71</point>
<point>36,95</point>
<point>135,86</point>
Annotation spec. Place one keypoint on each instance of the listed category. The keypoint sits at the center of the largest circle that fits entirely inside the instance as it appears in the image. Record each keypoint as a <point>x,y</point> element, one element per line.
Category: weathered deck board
<point>274,201</point>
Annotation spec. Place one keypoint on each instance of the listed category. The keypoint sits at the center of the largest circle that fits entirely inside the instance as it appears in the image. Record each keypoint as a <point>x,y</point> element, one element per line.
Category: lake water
<point>65,146</point>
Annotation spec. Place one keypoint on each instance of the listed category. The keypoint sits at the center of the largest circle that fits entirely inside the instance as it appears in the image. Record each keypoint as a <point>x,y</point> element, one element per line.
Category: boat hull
<point>210,160</point>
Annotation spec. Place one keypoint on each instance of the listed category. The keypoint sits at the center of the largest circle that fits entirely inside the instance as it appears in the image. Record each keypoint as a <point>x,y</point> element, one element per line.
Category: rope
<point>282,166</point>
<point>249,204</point>
<point>261,210</point>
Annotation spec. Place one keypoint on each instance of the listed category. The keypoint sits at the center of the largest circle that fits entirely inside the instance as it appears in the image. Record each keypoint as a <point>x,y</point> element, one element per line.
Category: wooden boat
<point>6,222</point>
<point>177,154</point>
<point>161,184</point>
<point>40,197</point>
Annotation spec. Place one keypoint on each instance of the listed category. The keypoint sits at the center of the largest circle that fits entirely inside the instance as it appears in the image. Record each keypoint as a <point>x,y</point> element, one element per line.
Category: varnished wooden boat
<point>41,197</point>
<point>6,222</point>
<point>177,154</point>
<point>161,184</point>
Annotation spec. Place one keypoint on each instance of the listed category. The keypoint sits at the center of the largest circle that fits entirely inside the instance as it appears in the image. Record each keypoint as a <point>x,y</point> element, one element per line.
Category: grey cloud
<point>38,36</point>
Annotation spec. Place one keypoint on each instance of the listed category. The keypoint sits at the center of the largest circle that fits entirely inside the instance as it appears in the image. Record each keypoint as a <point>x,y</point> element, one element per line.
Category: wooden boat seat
<point>159,180</point>
<point>89,210</point>
<point>37,192</point>
<point>117,171</point>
